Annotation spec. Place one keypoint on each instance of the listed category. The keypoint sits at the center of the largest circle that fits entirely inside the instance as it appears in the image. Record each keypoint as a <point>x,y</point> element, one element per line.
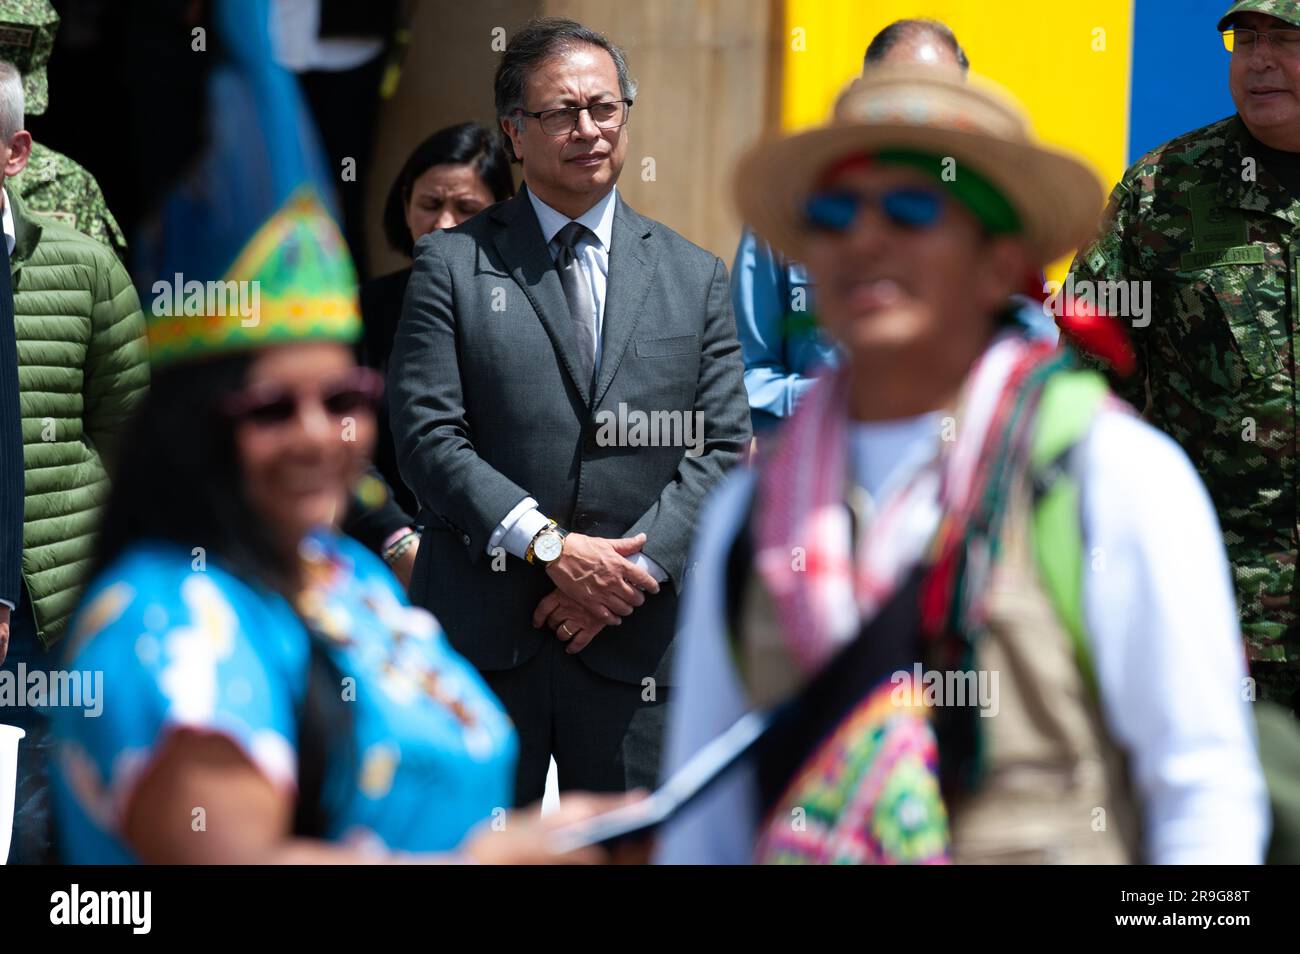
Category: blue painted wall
<point>1179,71</point>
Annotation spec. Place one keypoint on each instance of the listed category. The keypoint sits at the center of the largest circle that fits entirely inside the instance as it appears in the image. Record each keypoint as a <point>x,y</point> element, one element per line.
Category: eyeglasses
<point>356,392</point>
<point>562,121</point>
<point>1244,41</point>
<point>836,211</point>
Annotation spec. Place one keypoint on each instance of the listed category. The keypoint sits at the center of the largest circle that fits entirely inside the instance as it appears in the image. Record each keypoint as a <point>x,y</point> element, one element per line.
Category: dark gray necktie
<point>576,279</point>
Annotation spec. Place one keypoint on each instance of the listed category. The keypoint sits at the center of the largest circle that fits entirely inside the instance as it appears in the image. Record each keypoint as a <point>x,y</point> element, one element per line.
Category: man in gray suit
<point>566,386</point>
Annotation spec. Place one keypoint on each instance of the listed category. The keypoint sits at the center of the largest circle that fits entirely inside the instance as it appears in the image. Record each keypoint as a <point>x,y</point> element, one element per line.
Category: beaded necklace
<point>318,604</point>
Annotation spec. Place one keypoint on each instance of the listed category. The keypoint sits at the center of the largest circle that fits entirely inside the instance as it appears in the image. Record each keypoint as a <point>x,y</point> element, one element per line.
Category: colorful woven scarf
<point>803,541</point>
<point>824,586</point>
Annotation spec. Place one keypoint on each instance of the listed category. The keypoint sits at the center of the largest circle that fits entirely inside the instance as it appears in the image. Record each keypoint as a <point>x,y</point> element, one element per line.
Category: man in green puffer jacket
<point>83,366</point>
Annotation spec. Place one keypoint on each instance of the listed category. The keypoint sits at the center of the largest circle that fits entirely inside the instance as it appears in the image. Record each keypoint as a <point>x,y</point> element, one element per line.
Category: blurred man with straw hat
<point>781,340</point>
<point>951,576</point>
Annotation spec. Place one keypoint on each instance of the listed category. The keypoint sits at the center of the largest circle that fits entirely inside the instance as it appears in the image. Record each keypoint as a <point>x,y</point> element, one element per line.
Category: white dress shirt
<point>1161,618</point>
<point>522,523</point>
<point>11,236</point>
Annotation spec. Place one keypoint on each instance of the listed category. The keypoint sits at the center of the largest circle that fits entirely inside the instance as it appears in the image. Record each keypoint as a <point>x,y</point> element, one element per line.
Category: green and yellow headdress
<point>292,281</point>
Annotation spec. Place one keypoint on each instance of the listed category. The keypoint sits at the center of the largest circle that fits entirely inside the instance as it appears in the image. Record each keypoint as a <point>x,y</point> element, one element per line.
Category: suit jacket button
<point>466,539</point>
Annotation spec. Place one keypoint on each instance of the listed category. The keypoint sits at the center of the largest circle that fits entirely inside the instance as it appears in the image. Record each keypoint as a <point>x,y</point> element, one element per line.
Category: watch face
<point>548,547</point>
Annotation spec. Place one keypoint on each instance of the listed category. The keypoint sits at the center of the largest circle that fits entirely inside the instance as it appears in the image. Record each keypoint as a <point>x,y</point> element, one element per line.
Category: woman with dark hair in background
<point>453,175</point>
<point>262,665</point>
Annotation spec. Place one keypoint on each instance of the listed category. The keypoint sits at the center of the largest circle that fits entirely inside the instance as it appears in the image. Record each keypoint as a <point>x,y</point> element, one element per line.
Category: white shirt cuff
<point>517,530</point>
<point>649,565</point>
<point>8,604</point>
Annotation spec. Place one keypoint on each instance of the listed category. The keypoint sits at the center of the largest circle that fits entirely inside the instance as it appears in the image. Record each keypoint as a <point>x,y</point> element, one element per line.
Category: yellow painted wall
<point>1073,80</point>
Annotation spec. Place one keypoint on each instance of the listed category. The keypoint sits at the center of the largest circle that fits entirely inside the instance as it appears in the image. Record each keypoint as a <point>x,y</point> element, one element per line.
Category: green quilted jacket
<point>83,365</point>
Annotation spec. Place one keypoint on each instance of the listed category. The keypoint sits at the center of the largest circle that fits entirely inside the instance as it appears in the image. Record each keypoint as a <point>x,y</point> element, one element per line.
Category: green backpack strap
<point>1069,404</point>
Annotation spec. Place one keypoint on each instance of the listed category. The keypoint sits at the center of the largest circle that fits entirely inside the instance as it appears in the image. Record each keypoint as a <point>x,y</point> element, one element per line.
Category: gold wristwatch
<point>547,546</point>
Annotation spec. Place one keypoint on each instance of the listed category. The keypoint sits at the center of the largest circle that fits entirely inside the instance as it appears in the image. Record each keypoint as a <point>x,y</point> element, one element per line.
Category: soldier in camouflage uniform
<point>1212,221</point>
<point>52,184</point>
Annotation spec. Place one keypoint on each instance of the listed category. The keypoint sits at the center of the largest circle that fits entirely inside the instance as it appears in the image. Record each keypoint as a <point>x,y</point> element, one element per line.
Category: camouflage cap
<point>27,30</point>
<point>1288,10</point>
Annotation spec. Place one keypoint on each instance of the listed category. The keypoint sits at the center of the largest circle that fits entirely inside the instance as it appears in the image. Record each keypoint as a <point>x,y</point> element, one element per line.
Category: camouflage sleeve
<point>57,186</point>
<point>117,361</point>
<point>99,223</point>
<point>1109,258</point>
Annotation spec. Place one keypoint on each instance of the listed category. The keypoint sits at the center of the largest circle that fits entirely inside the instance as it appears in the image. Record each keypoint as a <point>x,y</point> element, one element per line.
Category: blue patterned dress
<point>184,645</point>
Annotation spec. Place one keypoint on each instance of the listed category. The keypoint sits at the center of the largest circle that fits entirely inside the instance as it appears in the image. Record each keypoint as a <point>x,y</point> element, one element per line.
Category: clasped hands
<point>596,585</point>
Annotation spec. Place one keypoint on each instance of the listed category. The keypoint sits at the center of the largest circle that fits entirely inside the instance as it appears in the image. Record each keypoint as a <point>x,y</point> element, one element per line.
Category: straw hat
<point>1058,198</point>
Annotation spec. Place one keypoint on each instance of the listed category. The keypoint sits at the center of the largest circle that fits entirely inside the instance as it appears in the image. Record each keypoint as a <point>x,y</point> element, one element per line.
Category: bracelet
<point>394,537</point>
<point>395,551</point>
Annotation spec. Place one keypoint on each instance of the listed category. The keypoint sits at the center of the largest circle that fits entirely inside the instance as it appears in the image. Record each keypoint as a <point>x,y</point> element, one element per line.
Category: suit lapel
<point>633,255</point>
<point>524,252</point>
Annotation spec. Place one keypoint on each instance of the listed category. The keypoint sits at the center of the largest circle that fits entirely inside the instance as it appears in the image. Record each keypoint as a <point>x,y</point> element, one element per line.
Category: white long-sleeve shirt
<point>1161,618</point>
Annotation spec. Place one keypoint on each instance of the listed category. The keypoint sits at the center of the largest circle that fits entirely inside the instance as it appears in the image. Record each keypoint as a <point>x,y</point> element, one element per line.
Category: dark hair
<point>465,144</point>
<point>539,40</point>
<point>177,479</point>
<point>899,30</point>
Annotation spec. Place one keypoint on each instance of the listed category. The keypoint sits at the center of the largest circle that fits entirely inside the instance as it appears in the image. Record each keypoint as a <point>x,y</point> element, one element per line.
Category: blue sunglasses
<point>836,211</point>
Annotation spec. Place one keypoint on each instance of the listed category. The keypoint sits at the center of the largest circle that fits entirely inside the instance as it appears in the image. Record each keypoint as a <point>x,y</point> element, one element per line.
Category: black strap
<point>739,571</point>
<point>889,643</point>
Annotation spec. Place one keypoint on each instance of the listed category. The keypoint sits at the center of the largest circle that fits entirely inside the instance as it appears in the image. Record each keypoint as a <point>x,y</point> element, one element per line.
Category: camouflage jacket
<point>55,186</point>
<point>1218,240</point>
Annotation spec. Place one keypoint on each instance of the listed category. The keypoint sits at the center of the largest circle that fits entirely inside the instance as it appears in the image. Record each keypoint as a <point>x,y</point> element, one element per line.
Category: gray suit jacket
<point>488,408</point>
